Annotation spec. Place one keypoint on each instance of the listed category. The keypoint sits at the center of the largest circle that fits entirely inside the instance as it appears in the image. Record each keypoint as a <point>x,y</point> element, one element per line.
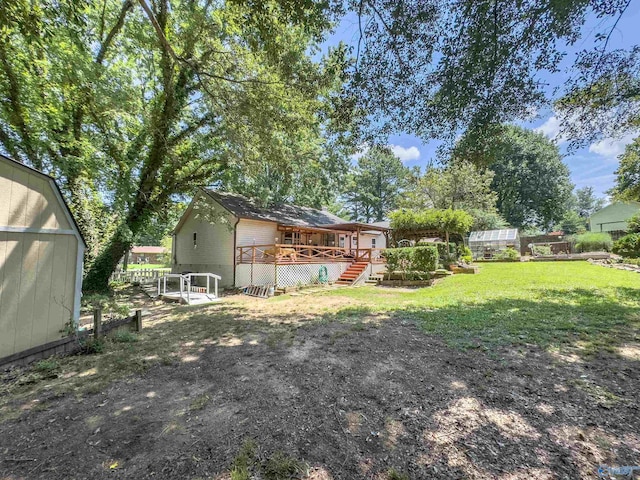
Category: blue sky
<point>590,166</point>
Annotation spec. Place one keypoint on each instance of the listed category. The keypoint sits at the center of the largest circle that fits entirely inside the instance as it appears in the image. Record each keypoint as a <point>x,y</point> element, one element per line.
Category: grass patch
<point>520,303</point>
<point>48,365</point>
<point>393,474</point>
<point>124,336</point>
<point>199,402</point>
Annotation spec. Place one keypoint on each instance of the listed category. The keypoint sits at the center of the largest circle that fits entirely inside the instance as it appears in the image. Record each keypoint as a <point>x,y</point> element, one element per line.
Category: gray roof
<point>494,235</point>
<point>242,207</point>
<point>384,224</point>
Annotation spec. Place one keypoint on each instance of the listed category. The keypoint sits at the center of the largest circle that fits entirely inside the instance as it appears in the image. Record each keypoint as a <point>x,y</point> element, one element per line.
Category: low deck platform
<point>192,299</point>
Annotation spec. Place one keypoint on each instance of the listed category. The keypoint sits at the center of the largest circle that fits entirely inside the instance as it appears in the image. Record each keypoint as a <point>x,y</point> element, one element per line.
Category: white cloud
<point>362,151</point>
<point>551,129</point>
<point>611,148</point>
<point>405,154</point>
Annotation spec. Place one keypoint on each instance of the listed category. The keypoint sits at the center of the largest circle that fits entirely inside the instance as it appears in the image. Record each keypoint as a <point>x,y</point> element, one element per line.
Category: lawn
<point>526,370</point>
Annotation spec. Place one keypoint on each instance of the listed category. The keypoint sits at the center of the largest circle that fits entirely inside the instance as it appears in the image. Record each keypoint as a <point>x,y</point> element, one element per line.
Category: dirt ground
<point>373,400</point>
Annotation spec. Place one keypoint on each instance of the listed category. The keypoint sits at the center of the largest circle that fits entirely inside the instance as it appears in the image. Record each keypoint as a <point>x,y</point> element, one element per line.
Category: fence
<point>72,344</point>
<point>143,275</point>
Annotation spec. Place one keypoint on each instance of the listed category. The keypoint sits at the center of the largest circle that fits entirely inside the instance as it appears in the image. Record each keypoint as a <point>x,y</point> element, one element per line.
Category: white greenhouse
<point>485,244</point>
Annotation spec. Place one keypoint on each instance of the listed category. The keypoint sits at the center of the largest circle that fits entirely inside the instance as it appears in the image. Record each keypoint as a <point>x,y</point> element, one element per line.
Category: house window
<point>341,241</point>
<point>354,240</point>
<point>373,243</point>
<point>292,238</point>
<point>195,239</point>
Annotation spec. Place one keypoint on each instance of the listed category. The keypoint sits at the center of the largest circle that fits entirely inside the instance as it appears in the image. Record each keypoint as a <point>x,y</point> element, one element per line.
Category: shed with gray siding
<point>41,251</point>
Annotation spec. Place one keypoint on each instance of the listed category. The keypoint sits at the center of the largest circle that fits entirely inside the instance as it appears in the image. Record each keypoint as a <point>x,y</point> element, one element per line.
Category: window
<point>373,243</point>
<point>292,238</point>
<point>341,241</point>
<point>195,239</point>
<point>354,240</point>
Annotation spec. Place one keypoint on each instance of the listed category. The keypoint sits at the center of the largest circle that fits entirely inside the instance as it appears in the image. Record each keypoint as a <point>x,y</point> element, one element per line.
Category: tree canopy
<point>415,224</point>
<point>438,68</point>
<point>374,185</point>
<point>531,181</point>
<point>627,182</point>
<point>131,103</point>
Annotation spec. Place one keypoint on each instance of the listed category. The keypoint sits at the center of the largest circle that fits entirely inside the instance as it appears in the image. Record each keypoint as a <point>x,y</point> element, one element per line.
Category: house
<point>613,218</point>
<point>230,235</point>
<point>41,251</point>
<point>147,254</point>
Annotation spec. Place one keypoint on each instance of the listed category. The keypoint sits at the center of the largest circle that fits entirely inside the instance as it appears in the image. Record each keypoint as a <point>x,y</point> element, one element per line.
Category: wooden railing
<point>286,254</point>
<point>142,275</point>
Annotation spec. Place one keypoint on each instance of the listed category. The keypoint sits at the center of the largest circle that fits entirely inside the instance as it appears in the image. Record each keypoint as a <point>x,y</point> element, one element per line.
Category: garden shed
<point>41,251</point>
<point>486,243</point>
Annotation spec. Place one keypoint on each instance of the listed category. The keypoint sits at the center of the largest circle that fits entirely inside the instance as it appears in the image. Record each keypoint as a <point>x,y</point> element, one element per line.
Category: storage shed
<point>484,244</point>
<point>41,251</point>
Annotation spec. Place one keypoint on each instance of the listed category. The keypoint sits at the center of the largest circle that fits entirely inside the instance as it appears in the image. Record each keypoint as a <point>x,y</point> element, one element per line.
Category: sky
<point>593,165</point>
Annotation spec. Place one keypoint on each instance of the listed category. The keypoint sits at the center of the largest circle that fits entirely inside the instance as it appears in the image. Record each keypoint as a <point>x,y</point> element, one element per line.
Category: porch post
<point>358,244</point>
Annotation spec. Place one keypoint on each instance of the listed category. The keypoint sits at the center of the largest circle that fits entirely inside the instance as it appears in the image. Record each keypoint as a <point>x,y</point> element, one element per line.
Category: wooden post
<point>357,244</point>
<point>97,323</point>
<point>138,320</point>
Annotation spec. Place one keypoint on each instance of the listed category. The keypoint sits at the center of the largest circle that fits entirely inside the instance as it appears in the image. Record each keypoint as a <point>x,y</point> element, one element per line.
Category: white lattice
<point>287,275</point>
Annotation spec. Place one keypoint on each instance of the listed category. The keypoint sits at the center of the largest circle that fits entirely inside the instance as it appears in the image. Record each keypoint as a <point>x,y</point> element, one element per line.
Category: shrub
<point>634,223</point>
<point>509,254</point>
<point>425,259</point>
<point>628,246</point>
<point>593,242</point>
<point>632,261</point>
<point>443,251</point>
<point>465,254</point>
<point>541,250</point>
<point>422,259</point>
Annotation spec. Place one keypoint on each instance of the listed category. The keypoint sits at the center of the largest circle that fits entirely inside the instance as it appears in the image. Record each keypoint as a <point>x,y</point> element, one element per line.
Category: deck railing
<point>283,254</point>
<point>139,275</point>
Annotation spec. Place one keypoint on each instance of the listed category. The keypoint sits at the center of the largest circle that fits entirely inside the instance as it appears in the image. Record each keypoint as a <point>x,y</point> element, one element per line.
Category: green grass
<point>517,303</point>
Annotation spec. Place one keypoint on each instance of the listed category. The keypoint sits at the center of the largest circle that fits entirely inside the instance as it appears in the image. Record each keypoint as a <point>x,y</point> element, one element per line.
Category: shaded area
<point>354,396</point>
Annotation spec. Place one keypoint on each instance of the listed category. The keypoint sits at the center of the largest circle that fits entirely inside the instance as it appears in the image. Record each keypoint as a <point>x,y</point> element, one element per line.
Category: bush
<point>628,246</point>
<point>423,259</point>
<point>443,252</point>
<point>544,250</point>
<point>465,254</point>
<point>593,242</point>
<point>509,254</point>
<point>632,261</point>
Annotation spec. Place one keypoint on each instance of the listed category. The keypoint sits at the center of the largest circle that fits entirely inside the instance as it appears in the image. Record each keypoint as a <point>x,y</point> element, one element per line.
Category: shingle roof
<point>242,207</point>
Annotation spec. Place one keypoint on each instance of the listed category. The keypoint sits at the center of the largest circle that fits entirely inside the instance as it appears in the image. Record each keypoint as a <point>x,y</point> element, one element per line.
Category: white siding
<point>365,240</point>
<point>256,232</point>
<point>214,250</point>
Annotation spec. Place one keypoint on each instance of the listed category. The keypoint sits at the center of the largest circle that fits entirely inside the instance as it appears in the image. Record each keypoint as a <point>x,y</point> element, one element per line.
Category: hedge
<point>422,260</point>
<point>628,246</point>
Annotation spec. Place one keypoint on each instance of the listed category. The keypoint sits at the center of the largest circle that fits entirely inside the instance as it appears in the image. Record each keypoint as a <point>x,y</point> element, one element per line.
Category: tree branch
<point>126,6</point>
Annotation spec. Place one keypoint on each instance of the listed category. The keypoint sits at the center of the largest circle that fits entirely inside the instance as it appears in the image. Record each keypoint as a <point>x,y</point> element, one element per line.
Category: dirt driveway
<point>376,400</point>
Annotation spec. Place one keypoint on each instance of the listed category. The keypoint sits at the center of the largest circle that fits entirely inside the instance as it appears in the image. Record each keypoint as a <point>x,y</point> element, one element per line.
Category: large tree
<point>374,186</point>
<point>531,181</point>
<point>130,103</point>
<point>627,186</point>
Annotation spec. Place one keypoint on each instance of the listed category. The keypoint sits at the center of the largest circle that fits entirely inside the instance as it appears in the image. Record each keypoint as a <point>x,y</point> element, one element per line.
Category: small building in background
<point>486,243</point>
<point>147,254</point>
<point>41,252</point>
<point>613,218</point>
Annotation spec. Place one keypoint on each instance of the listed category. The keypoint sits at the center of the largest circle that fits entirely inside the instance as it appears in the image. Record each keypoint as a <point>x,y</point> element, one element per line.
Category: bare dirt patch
<point>374,398</point>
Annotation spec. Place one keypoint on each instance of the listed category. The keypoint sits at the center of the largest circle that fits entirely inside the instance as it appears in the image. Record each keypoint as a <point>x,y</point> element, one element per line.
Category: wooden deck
<point>282,254</point>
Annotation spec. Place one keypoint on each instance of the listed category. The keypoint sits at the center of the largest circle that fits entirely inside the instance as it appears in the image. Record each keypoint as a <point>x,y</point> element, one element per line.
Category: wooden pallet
<point>261,291</point>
